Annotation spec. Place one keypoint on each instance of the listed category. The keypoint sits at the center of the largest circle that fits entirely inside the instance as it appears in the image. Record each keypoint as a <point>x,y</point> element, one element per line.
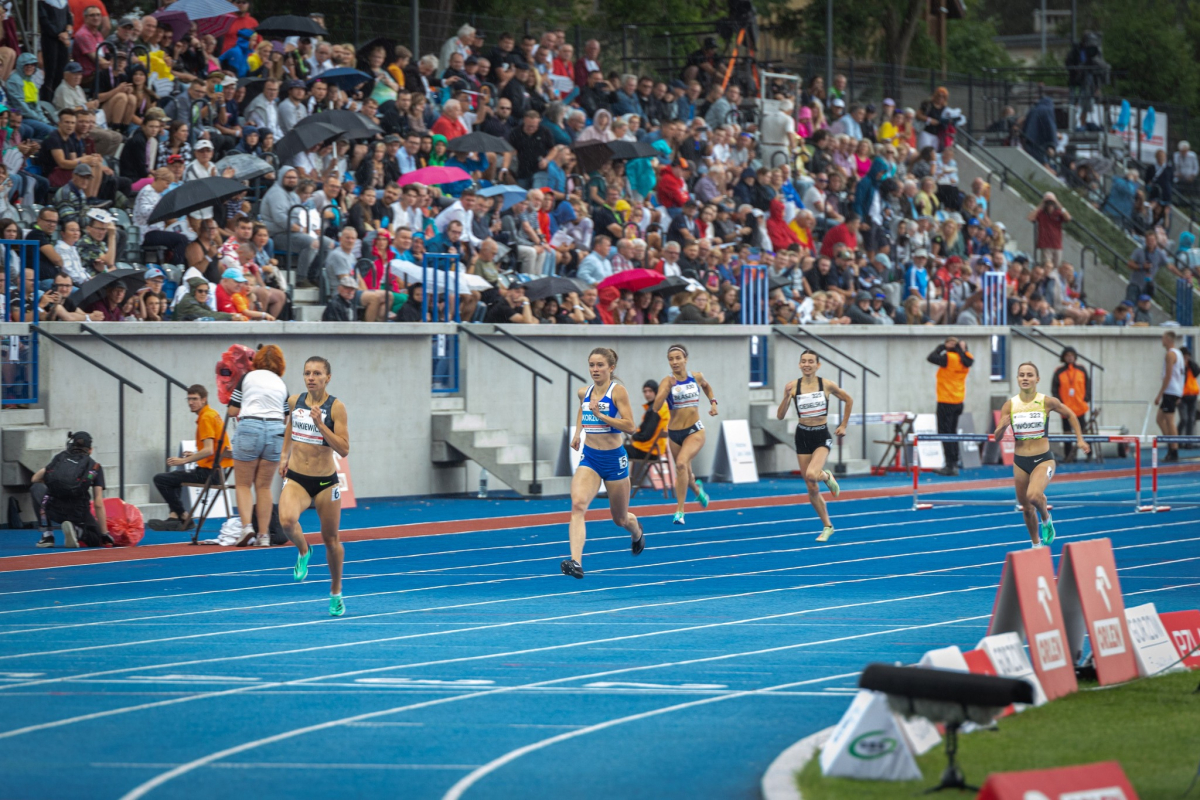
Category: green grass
<point>1152,727</point>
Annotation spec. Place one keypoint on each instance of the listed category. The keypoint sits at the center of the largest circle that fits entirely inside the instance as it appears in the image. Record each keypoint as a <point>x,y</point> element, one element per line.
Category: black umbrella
<point>671,285</point>
<point>353,124</point>
<point>479,142</point>
<point>344,78</point>
<point>303,137</point>
<point>253,87</point>
<point>194,195</point>
<point>289,25</point>
<point>94,289</point>
<point>592,156</point>
<point>555,284</point>
<point>363,61</point>
<point>626,151</point>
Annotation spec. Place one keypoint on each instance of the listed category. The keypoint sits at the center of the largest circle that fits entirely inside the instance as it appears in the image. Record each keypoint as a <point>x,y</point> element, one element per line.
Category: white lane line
<point>775,552</point>
<point>159,780</point>
<point>462,659</point>
<point>293,766</point>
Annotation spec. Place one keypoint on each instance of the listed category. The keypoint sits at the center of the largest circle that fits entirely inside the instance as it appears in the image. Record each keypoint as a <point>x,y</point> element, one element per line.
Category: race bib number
<point>1028,424</point>
<point>337,492</point>
<point>699,426</point>
<point>624,462</point>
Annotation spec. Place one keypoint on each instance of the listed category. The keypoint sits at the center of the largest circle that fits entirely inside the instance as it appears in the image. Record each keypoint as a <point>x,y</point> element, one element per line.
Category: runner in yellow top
<point>1033,463</point>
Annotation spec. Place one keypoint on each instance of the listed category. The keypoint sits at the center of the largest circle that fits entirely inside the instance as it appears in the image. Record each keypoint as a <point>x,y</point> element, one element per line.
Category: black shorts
<point>810,440</point>
<point>1169,403</point>
<point>1027,464</point>
<point>678,436</point>
<point>315,485</point>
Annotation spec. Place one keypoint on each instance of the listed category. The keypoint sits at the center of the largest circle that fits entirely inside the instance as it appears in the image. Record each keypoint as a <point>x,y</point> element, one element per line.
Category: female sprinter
<point>681,392</point>
<point>811,397</point>
<point>1033,463</point>
<point>317,428</point>
<point>606,415</point>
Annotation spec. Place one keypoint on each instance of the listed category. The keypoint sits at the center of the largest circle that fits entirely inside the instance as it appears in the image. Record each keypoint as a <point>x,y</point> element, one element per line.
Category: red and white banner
<point>1091,599</point>
<point>1027,603</point>
<point>1103,781</point>
<point>342,467</point>
<point>1183,627</point>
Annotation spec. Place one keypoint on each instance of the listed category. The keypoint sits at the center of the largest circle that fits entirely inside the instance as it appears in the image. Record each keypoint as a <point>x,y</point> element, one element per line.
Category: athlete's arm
<point>1166,378</point>
<point>624,423</point>
<point>844,396</point>
<point>788,392</point>
<point>1054,404</point>
<point>287,438</point>
<point>578,418</point>
<point>339,441</point>
<point>1005,418</point>
<point>664,386</point>
<point>708,392</point>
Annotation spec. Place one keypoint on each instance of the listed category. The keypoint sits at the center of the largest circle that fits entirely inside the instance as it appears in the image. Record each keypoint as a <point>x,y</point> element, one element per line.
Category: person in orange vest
<point>1070,385</point>
<point>645,442</point>
<point>1191,388</point>
<point>954,362</point>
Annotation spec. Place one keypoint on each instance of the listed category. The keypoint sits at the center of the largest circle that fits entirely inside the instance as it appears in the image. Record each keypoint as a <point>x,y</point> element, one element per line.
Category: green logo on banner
<point>872,744</point>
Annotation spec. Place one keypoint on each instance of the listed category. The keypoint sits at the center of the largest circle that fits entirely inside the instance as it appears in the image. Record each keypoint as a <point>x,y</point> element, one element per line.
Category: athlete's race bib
<point>685,394</point>
<point>812,404</point>
<point>1029,425</point>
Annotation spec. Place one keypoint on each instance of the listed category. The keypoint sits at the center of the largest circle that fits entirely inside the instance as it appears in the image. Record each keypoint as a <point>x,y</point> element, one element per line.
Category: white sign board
<point>734,462</point>
<point>929,454</point>
<point>225,504</point>
<point>1008,657</point>
<point>869,743</point>
<point>1140,147</point>
<point>1153,647</point>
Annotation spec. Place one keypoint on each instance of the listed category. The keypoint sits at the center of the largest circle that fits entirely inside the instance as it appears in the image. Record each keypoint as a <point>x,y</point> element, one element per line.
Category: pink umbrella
<point>633,280</point>
<point>434,176</point>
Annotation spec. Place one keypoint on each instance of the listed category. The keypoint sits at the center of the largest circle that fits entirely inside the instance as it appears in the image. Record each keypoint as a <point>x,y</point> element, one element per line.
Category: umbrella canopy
<point>592,156</point>
<point>177,21</point>
<point>626,151</point>
<point>364,52</point>
<point>415,273</point>
<point>203,9</point>
<point>671,285</point>
<point>302,137</point>
<point>555,284</point>
<point>635,280</point>
<point>511,194</point>
<point>434,176</point>
<point>344,78</point>
<point>253,87</point>
<point>479,142</point>
<point>245,166</point>
<point>289,25</point>
<point>94,289</point>
<point>193,196</point>
<point>353,124</point>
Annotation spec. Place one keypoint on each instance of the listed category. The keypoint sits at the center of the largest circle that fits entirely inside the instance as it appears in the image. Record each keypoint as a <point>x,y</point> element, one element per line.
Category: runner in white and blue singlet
<point>681,392</point>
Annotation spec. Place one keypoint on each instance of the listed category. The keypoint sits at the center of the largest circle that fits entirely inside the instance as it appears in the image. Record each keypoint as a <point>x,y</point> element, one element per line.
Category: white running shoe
<point>69,538</point>
<point>263,541</point>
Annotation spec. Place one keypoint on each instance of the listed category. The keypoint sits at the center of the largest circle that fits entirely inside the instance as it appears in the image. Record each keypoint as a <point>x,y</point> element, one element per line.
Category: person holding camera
<point>1049,217</point>
<point>63,492</point>
<point>954,362</point>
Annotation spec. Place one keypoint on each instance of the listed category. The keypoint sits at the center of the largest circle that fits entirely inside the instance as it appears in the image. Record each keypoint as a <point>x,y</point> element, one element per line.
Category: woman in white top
<point>65,247</point>
<point>260,404</point>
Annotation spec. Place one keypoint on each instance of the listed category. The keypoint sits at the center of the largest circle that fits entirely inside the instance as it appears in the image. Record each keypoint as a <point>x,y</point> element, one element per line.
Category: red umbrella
<point>633,280</point>
<point>434,176</point>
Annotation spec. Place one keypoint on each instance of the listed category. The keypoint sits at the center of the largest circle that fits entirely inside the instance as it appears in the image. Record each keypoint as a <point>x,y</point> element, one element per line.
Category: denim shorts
<point>258,438</point>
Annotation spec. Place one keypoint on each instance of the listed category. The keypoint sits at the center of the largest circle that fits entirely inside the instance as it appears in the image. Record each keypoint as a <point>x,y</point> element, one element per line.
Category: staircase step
<point>512,454</point>
<point>447,404</point>
<point>486,438</point>
<point>308,313</point>
<point>21,440</point>
<point>22,416</point>
<point>12,473</point>
<point>762,395</point>
<point>135,493</point>
<point>524,471</point>
<point>551,487</point>
<point>306,296</point>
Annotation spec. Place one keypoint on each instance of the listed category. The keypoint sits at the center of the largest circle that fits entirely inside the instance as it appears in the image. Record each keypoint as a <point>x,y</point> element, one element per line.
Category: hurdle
<point>1155,441</point>
<point>984,438</point>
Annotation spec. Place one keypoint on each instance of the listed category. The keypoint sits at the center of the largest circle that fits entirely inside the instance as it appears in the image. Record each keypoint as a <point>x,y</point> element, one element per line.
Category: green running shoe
<point>1047,530</point>
<point>300,572</point>
<point>832,483</point>
<point>336,606</point>
<point>678,518</point>
<point>826,532</point>
<point>701,494</point>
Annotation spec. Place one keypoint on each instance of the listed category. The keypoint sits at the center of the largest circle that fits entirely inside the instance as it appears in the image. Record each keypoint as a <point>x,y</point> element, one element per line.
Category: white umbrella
<point>466,283</point>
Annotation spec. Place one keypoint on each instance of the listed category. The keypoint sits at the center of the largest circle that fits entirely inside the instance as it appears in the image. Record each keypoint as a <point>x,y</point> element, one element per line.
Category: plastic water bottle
<point>483,484</point>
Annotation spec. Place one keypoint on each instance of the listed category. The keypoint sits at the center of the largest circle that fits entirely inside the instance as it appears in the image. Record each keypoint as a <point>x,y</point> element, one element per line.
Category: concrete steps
<point>459,436</point>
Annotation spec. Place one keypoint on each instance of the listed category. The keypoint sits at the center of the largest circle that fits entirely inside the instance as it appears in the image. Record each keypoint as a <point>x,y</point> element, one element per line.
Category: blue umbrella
<point>203,9</point>
<point>511,194</point>
<point>344,78</point>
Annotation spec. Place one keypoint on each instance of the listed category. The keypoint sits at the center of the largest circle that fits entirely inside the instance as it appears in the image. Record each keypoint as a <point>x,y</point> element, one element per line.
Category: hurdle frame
<point>1155,441</point>
<point>984,438</point>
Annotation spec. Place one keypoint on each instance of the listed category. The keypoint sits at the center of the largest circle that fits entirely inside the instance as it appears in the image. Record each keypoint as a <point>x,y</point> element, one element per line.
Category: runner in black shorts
<point>681,391</point>
<point>316,429</point>
<point>810,395</point>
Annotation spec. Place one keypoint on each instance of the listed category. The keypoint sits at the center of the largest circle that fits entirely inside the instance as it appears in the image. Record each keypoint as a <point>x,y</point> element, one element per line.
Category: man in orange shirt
<point>170,484</point>
<point>1071,386</point>
<point>954,362</point>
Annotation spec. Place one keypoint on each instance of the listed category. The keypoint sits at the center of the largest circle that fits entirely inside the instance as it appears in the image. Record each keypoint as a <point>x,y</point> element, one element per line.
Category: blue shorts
<point>258,438</point>
<point>610,465</point>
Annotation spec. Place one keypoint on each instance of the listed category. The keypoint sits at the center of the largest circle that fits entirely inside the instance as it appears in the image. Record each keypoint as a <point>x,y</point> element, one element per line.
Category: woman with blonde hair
<point>260,404</point>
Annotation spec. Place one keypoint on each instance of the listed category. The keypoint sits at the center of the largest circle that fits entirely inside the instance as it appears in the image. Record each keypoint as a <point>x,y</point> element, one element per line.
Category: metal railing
<point>122,382</point>
<point>570,372</point>
<point>839,467</point>
<point>535,487</point>
<point>19,371</point>
<point>169,379</point>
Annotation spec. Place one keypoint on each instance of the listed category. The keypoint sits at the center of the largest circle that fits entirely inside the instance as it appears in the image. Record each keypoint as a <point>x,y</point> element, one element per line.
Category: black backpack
<point>68,478</point>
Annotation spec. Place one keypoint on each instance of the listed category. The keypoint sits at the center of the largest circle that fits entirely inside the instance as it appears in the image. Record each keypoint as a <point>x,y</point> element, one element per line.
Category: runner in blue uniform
<point>681,392</point>
<point>605,415</point>
<point>317,428</point>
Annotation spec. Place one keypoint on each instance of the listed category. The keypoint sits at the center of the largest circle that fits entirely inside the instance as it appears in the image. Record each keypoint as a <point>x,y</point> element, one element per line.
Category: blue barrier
<point>756,310</point>
<point>19,353</point>
<point>441,276</point>
<point>1183,302</point>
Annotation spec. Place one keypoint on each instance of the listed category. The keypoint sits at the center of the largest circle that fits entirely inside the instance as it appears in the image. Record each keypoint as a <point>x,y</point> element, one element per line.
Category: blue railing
<point>19,353</point>
<point>756,310</point>
<point>441,286</point>
<point>1183,302</point>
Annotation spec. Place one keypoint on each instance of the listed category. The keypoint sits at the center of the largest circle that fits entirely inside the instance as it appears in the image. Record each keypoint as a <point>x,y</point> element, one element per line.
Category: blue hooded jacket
<point>237,57</point>
<point>15,86</point>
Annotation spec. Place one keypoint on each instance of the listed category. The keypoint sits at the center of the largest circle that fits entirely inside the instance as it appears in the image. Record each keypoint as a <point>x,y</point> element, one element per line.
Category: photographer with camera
<point>63,492</point>
<point>1049,217</point>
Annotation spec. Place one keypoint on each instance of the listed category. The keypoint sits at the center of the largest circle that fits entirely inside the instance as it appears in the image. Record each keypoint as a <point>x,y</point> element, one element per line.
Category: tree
<point>1153,57</point>
<point>880,30</point>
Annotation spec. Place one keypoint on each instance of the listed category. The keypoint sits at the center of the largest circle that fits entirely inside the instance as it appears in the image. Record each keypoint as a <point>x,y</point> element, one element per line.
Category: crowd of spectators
<point>854,210</point>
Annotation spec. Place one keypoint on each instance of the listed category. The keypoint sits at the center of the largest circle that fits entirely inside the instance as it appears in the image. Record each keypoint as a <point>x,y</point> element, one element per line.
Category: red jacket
<point>838,234</point>
<point>449,129</point>
<point>671,191</point>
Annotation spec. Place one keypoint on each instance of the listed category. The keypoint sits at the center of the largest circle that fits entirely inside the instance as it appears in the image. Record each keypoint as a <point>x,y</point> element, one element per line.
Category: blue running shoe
<point>678,518</point>
<point>300,571</point>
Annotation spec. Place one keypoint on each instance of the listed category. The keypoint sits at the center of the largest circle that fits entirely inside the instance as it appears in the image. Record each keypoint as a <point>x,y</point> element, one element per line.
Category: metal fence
<point>19,353</point>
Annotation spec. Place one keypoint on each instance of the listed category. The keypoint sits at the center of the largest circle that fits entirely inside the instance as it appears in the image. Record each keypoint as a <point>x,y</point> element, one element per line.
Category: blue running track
<point>468,666</point>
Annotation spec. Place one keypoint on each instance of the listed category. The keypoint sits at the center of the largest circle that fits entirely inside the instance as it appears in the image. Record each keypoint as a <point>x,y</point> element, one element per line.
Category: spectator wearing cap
<point>342,307</point>
<point>1142,314</point>
<point>98,245</point>
<point>860,311</point>
<point>1121,316</point>
<point>69,93</point>
<point>230,289</point>
<point>71,199</point>
<point>293,107</point>
<point>73,512</point>
<point>683,227</point>
<point>156,234</point>
<point>123,36</point>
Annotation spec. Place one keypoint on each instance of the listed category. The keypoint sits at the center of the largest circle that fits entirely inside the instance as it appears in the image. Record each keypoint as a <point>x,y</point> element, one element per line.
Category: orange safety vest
<point>650,445</point>
<point>952,380</point>
<point>1072,389</point>
<point>1190,387</point>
